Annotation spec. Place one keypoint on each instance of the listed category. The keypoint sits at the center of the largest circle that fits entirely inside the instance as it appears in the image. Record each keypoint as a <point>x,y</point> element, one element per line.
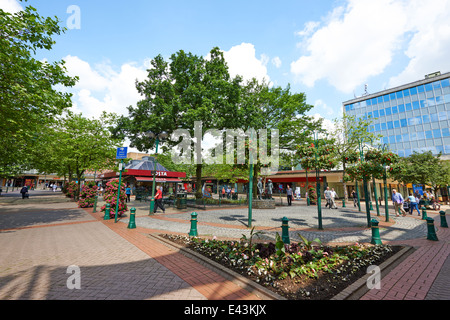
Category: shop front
<point>139,174</point>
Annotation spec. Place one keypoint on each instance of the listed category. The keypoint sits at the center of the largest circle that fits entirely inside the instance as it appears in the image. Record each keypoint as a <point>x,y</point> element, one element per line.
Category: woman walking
<point>414,203</point>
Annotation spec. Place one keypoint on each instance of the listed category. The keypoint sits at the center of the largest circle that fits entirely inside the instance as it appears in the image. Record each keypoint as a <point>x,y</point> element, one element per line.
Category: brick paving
<point>40,240</point>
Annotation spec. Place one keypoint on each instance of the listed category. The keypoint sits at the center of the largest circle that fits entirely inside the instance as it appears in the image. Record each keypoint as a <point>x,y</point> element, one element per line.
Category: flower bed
<point>300,271</point>
<point>110,196</point>
<point>71,189</point>
<point>87,195</point>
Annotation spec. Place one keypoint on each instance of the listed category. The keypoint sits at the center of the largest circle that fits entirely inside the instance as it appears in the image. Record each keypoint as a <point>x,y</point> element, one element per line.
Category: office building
<point>411,117</point>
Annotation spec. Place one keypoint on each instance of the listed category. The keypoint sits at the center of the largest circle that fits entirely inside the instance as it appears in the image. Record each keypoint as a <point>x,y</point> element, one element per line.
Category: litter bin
<point>181,201</point>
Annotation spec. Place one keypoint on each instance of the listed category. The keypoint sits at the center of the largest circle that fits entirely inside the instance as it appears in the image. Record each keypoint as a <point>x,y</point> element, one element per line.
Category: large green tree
<point>28,98</point>
<point>76,144</point>
<point>423,168</point>
<point>179,93</point>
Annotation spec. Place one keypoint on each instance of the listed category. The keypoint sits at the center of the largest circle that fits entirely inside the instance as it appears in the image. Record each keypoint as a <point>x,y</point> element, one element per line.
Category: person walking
<point>414,202</point>
<point>289,195</point>
<point>24,192</point>
<point>327,194</point>
<point>355,197</point>
<point>158,200</point>
<point>333,198</point>
<point>398,200</point>
<point>128,193</point>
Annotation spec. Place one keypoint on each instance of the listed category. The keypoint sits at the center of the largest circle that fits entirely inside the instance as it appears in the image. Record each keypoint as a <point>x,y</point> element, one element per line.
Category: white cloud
<point>310,27</point>
<point>359,40</point>
<point>101,88</point>
<point>429,47</point>
<point>276,61</point>
<point>324,108</point>
<point>356,43</point>
<point>242,60</point>
<point>11,6</point>
<point>327,124</point>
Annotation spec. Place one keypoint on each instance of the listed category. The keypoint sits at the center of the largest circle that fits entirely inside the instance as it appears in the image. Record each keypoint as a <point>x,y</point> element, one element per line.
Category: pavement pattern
<point>45,238</point>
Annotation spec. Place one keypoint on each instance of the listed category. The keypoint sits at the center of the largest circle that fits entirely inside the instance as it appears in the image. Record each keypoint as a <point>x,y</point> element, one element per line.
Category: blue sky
<point>328,49</point>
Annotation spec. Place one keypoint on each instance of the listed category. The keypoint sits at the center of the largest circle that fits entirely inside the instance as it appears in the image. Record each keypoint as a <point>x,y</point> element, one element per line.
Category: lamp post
<point>250,179</point>
<point>158,137</point>
<point>366,194</point>
<point>386,201</point>
<point>121,167</point>
<point>319,205</point>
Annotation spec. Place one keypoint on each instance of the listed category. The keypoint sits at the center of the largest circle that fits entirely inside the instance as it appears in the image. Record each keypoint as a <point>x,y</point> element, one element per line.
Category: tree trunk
<point>198,182</point>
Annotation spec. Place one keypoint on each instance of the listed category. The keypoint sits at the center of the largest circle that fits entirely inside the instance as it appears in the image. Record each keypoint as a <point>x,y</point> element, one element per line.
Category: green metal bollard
<point>375,232</point>
<point>431,231</point>
<point>132,223</point>
<point>107,211</point>
<point>193,232</point>
<point>285,230</point>
<point>443,219</point>
<point>424,213</point>
<point>343,203</point>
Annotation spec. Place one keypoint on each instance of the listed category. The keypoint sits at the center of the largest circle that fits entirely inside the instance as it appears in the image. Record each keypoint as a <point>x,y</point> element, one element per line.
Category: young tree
<point>77,144</point>
<point>348,133</point>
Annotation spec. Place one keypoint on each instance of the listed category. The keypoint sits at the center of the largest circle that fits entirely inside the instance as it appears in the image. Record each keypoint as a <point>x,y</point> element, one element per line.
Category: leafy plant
<point>110,196</point>
<point>308,244</point>
<point>250,239</point>
<point>87,195</point>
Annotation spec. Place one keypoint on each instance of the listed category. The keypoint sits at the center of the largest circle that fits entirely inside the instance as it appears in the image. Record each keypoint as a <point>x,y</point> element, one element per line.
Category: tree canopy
<point>28,98</point>
<point>188,89</point>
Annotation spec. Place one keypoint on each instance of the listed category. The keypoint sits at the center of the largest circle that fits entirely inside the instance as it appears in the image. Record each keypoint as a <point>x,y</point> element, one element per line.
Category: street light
<point>386,201</point>
<point>319,205</point>
<point>366,193</point>
<point>159,137</point>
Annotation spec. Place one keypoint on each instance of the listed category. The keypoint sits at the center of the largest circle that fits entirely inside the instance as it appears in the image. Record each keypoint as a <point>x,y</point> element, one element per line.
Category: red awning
<point>142,179</point>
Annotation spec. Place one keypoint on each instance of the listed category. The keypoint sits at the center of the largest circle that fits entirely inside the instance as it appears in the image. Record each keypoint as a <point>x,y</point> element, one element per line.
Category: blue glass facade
<point>414,117</point>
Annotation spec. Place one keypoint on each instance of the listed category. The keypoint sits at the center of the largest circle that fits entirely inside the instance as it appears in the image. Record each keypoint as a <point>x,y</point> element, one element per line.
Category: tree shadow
<point>12,218</point>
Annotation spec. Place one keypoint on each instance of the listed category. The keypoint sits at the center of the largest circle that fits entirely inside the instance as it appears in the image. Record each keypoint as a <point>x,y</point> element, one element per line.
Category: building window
<point>437,133</point>
<point>445,83</point>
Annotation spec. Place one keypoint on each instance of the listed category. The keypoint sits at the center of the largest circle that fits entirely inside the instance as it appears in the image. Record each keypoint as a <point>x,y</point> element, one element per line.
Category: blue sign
<point>122,153</point>
<point>418,187</point>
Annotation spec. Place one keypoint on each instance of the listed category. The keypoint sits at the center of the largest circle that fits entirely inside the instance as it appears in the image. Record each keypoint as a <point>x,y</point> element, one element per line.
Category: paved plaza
<point>45,236</point>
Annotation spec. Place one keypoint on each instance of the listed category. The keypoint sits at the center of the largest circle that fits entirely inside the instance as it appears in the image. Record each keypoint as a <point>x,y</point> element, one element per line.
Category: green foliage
<point>76,144</point>
<point>28,98</point>
<point>190,88</point>
<point>87,195</point>
<point>267,262</point>
<point>423,168</point>
<point>307,243</point>
<point>71,189</point>
<point>373,165</point>
<point>312,194</point>
<point>110,196</point>
<point>318,155</point>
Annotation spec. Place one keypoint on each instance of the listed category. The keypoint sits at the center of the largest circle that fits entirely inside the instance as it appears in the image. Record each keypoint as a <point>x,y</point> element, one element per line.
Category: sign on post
<point>122,153</point>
